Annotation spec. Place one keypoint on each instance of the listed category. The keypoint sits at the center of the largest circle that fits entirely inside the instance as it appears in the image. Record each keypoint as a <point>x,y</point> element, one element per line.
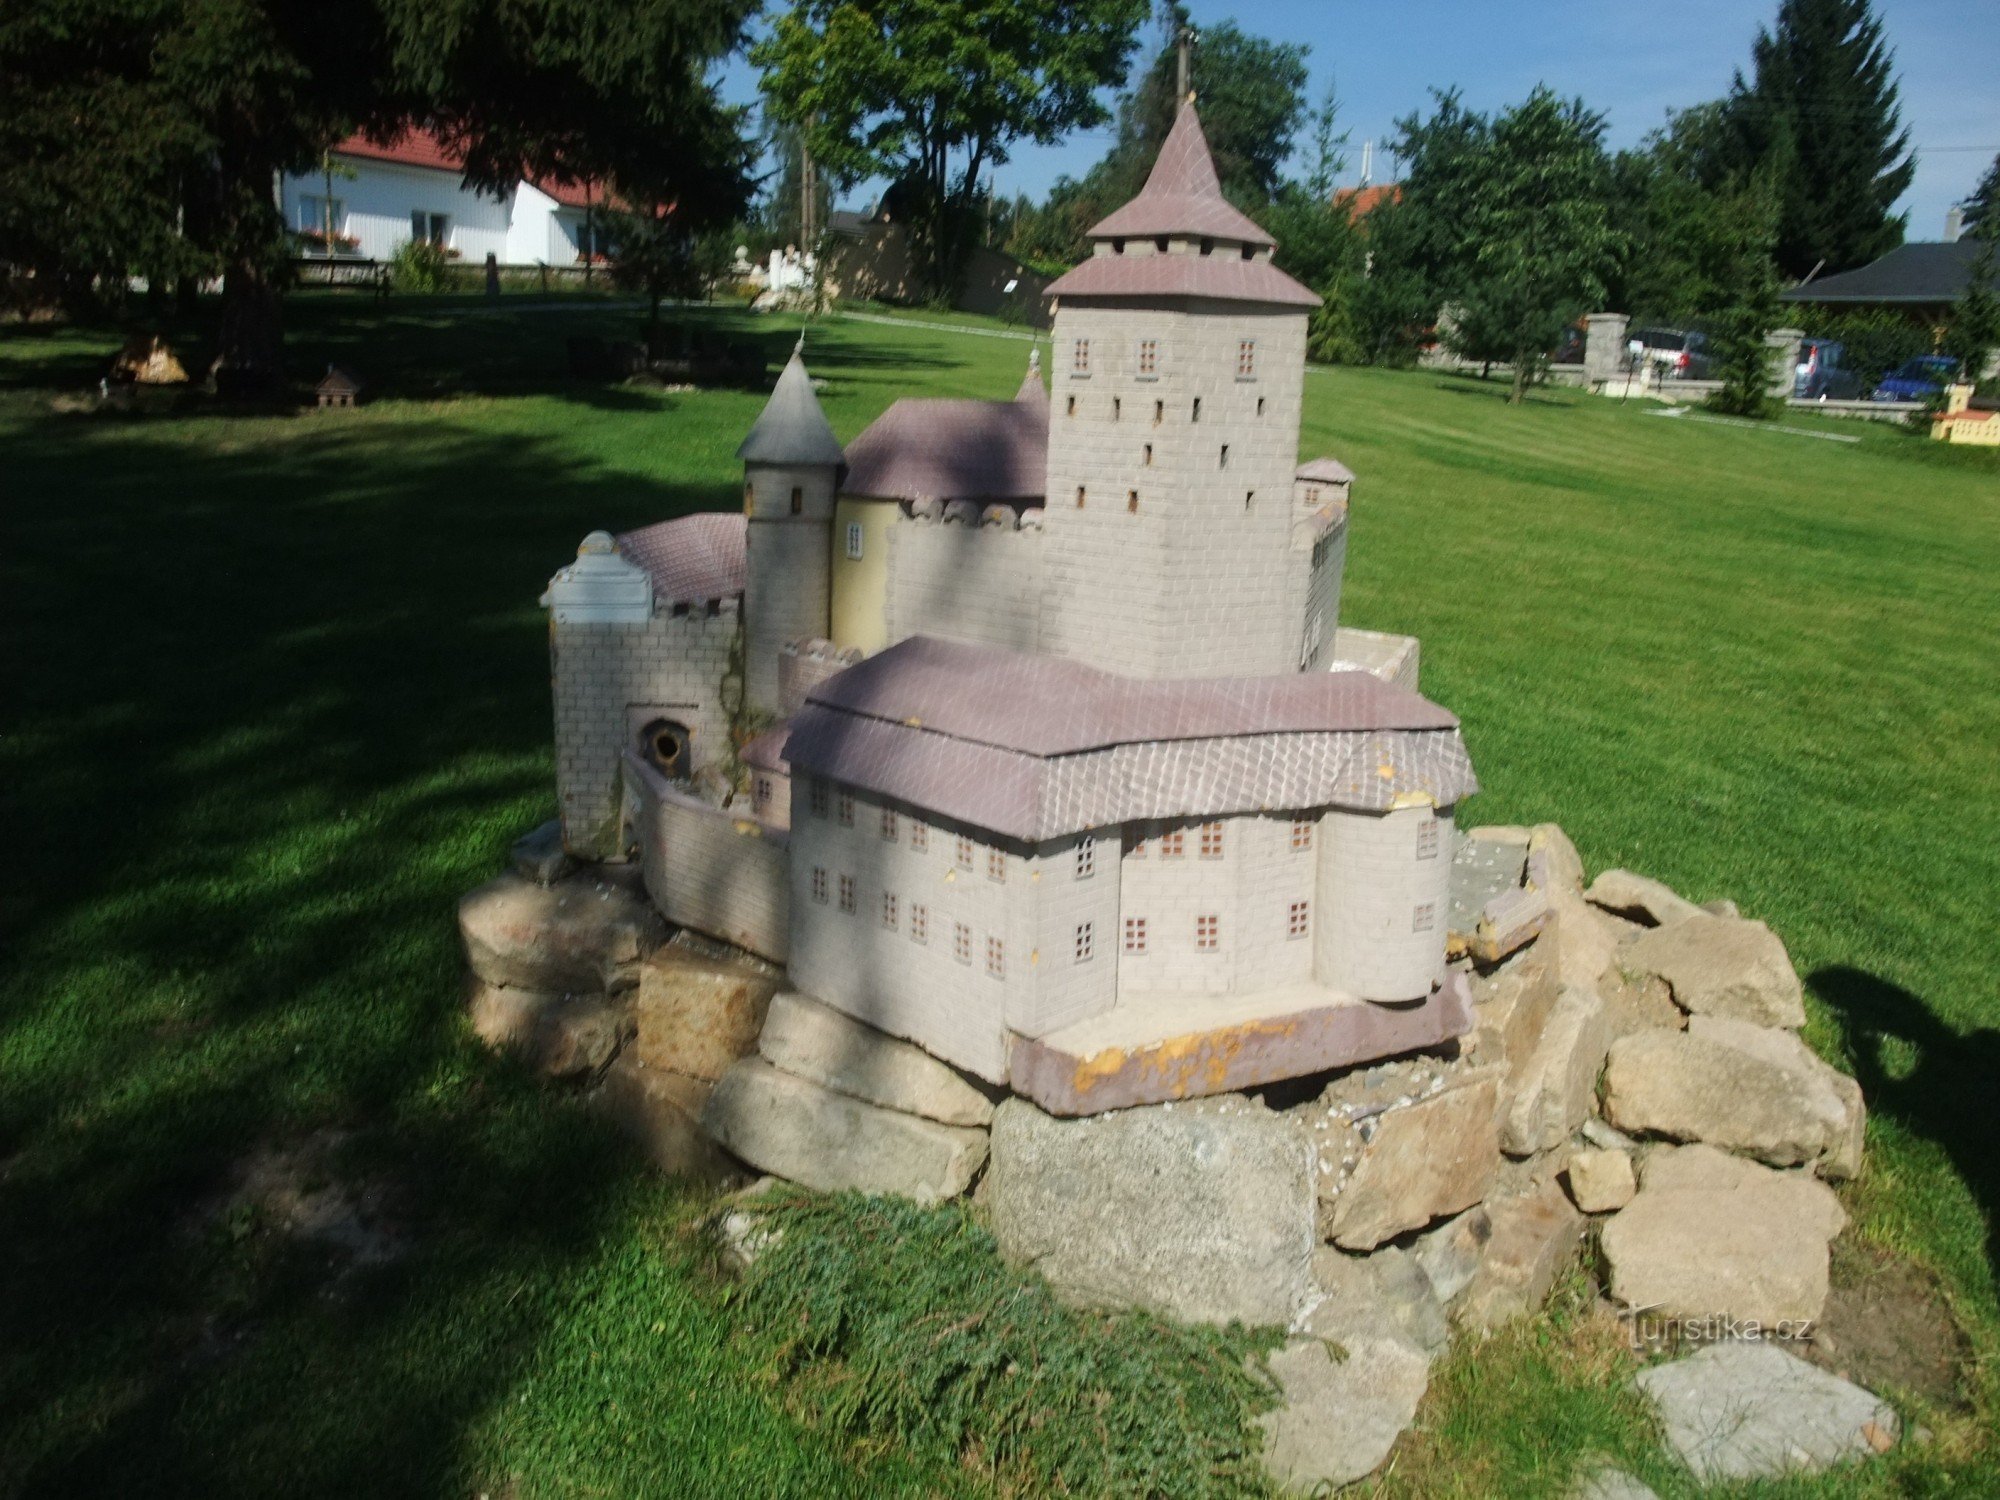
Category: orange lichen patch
<point>1180,1063</point>
<point>1094,1069</point>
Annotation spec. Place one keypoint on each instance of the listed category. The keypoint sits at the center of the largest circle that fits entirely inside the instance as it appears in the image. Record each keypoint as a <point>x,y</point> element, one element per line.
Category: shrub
<point>420,266</point>
<point>894,1321</point>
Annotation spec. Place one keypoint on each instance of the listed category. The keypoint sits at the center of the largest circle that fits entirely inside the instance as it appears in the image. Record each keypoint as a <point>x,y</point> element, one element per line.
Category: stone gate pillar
<point>1604,347</point>
<point>1784,346</point>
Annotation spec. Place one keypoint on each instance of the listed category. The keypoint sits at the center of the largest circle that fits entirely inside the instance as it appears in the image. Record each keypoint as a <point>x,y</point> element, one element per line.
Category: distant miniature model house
<point>338,388</point>
<point>1960,423</point>
<point>1019,729</point>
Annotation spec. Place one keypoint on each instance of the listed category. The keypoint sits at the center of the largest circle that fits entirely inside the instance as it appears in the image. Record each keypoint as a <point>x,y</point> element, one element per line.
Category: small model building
<point>337,388</point>
<point>1023,729</point>
<point>1960,423</point>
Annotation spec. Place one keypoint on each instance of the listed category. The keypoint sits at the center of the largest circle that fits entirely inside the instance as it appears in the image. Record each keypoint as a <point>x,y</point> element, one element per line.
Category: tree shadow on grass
<point>1946,1097</point>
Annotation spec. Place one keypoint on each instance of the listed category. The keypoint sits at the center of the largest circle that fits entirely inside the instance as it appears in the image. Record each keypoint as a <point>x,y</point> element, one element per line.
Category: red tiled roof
<point>1182,195</point>
<point>693,559</point>
<point>1363,201</point>
<point>934,449</point>
<point>1224,276</point>
<point>419,148</point>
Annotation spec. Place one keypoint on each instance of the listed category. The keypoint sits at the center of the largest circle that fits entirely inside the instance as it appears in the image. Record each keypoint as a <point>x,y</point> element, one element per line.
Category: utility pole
<point>1184,45</point>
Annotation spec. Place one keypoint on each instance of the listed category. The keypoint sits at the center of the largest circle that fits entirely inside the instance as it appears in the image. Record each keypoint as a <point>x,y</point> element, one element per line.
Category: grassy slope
<point>276,694</point>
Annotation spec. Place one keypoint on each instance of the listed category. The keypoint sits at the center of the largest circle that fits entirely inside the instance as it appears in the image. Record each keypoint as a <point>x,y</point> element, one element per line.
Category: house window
<point>1427,839</point>
<point>1173,845</point>
<point>964,860</point>
<point>996,958</point>
<point>1079,359</point>
<point>431,229</point>
<point>847,894</point>
<point>920,923</point>
<point>1246,359</point>
<point>888,911</point>
<point>996,866</point>
<point>819,886</point>
<point>1149,359</point>
<point>1300,921</point>
<point>1086,857</point>
<point>1207,934</point>
<point>1424,918</point>
<point>819,798</point>
<point>1135,934</point>
<point>889,829</point>
<point>920,835</point>
<point>854,541</point>
<point>1086,941</point>
<point>1302,833</point>
<point>961,942</point>
<point>847,809</point>
<point>798,500</point>
<point>322,217</point>
<point>1211,841</point>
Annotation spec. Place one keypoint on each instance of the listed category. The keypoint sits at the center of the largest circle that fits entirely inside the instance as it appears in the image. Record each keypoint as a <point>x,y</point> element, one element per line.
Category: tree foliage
<point>1820,111</point>
<point>1974,330</point>
<point>1748,309</point>
<point>931,94</point>
<point>1982,209</point>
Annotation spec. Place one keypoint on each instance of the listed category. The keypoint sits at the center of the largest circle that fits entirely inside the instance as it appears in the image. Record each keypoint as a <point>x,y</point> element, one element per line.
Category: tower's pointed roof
<point>1183,195</point>
<point>792,429</point>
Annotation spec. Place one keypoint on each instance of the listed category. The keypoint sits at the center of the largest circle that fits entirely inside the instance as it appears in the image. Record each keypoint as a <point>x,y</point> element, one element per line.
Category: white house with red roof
<point>384,194</point>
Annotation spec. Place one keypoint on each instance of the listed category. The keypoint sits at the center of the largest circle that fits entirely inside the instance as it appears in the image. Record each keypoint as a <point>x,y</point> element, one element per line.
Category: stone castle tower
<point>791,469</point>
<point>1179,361</point>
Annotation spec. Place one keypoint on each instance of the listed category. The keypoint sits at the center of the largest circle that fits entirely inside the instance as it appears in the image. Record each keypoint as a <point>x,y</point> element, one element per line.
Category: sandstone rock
<point>1512,834</point>
<point>1511,1006</point>
<point>1601,1182</point>
<point>1585,940</point>
<point>797,1130</point>
<point>1607,1137</point>
<point>1558,860</point>
<point>1747,1088</point>
<point>662,1112</point>
<point>1640,898</point>
<point>562,1036</point>
<point>505,1018</point>
<point>1203,1212</point>
<point>1339,1417</point>
<point>1722,906</point>
<point>1554,1089</point>
<point>1836,1097</point>
<point>817,1042</point>
<point>1714,1236</point>
<point>699,1014</point>
<point>1386,1295</point>
<point>1532,1238</point>
<point>1739,1411</point>
<point>538,855</point>
<point>1721,966</point>
<point>1449,1255</point>
<point>1426,1160</point>
<point>1638,1003</point>
<point>581,936</point>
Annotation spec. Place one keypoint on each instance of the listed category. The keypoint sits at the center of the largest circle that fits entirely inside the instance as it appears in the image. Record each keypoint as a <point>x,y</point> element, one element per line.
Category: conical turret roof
<point>1183,195</point>
<point>792,429</point>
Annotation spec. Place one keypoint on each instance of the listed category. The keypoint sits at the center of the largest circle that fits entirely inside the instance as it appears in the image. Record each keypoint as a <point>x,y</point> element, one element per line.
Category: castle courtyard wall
<point>964,583</point>
<point>710,869</point>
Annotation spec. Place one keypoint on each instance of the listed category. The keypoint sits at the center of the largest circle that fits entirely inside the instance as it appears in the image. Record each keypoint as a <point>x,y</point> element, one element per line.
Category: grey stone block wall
<point>1379,874</point>
<point>981,584</point>
<point>608,681</point>
<point>1328,556</point>
<point>1247,890</point>
<point>1199,579</point>
<point>711,869</point>
<point>1072,895</point>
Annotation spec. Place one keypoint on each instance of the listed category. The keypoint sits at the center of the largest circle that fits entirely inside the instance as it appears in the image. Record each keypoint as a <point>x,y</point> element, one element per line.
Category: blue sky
<point>1631,60</point>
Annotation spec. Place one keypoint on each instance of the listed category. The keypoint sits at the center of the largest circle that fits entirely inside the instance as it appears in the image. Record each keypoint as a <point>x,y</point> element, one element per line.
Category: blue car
<point>1917,379</point>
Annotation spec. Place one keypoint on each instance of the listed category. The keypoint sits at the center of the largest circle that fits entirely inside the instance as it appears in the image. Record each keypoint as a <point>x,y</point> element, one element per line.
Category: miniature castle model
<point>1021,730</point>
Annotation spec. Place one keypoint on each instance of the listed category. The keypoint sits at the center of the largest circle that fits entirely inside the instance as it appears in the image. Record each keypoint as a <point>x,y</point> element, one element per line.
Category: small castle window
<point>964,860</point>
<point>819,885</point>
<point>854,541</point>
<point>1079,359</point>
<point>1207,934</point>
<point>889,829</point>
<point>847,894</point>
<point>1132,501</point>
<point>1079,497</point>
<point>1117,406</point>
<point>1207,245</point>
<point>1249,499</point>
<point>1302,833</point>
<point>1135,934</point>
<point>1300,920</point>
<point>1246,359</point>
<point>1211,841</point>
<point>1117,247</point>
<point>1086,941</point>
<point>1149,359</point>
<point>1149,455</point>
<point>763,791</point>
<point>920,835</point>
<point>819,798</point>
<point>798,500</point>
<point>996,958</point>
<point>1069,409</point>
<point>889,911</point>
<point>1159,413</point>
<point>1223,461</point>
<point>1160,244</point>
<point>1086,857</point>
<point>1427,839</point>
<point>847,809</point>
<point>1249,252</point>
<point>996,866</point>
<point>1173,845</point>
<point>1196,417</point>
<point>1423,918</point>
<point>961,942</point>
<point>920,923</point>
<point>1260,406</point>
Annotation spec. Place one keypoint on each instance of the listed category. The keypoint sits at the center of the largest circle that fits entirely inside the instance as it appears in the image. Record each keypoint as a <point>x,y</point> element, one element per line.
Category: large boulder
<point>838,1052</point>
<point>579,936</point>
<point>1511,1005</point>
<point>1640,898</point>
<point>1338,1418</point>
<point>1721,966</point>
<point>662,1112</point>
<point>1713,1236</point>
<point>1530,1238</point>
<point>1204,1212</point>
<point>1553,1091</point>
<point>1553,863</point>
<point>1740,1411</point>
<point>1421,1162</point>
<point>698,1013</point>
<point>1747,1088</point>
<point>1385,1295</point>
<point>1584,939</point>
<point>793,1128</point>
<point>565,1037</point>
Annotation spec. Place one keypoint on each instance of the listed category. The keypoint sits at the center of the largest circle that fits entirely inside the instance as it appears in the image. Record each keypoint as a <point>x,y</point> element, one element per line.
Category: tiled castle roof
<point>791,429</point>
<point>1182,195</point>
<point>931,449</point>
<point>1033,747</point>
<point>693,559</point>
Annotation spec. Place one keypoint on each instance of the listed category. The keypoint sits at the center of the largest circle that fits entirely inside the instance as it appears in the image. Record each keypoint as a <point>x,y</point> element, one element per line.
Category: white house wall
<point>526,227</point>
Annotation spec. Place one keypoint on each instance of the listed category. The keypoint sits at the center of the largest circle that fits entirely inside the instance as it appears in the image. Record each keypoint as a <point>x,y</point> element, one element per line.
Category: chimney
<point>1954,223</point>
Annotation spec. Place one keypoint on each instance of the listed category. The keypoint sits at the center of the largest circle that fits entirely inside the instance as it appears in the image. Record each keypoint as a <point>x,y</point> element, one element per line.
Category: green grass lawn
<point>275,693</point>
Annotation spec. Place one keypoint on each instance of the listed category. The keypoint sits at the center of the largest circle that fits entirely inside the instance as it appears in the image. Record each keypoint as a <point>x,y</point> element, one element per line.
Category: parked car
<point>1674,353</point>
<point>1823,374</point>
<point>1917,379</point>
